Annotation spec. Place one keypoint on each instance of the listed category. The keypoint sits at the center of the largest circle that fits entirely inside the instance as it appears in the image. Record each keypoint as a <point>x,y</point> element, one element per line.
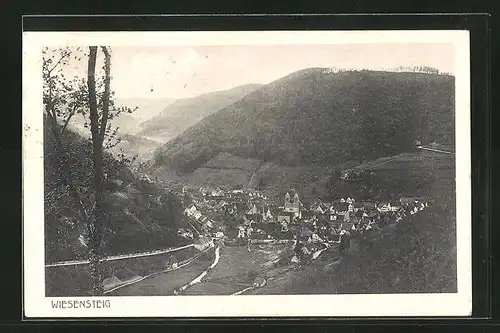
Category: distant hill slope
<point>134,145</point>
<point>129,123</point>
<point>147,107</point>
<point>183,113</point>
<point>316,117</point>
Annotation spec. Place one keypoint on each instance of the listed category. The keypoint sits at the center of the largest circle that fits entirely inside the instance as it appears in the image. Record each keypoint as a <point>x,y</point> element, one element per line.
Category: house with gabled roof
<point>319,209</point>
<point>337,221</point>
<point>267,214</point>
<point>333,217</point>
<point>282,218</point>
<point>285,216</point>
<point>388,207</point>
<point>253,210</point>
<point>253,214</point>
<point>192,211</point>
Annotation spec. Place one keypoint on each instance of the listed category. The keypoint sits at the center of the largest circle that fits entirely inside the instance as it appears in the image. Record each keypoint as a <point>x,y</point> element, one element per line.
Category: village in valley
<point>322,174</point>
<point>246,216</point>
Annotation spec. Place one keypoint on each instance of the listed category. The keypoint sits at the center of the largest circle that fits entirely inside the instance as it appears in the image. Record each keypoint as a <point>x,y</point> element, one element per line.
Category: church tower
<point>293,205</point>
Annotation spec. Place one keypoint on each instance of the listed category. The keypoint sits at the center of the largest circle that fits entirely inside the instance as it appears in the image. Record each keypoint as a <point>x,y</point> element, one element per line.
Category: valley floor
<point>414,255</point>
<point>237,269</point>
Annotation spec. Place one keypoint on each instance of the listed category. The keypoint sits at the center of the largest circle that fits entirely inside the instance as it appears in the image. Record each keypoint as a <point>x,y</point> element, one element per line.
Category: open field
<point>409,161</point>
<point>238,269</point>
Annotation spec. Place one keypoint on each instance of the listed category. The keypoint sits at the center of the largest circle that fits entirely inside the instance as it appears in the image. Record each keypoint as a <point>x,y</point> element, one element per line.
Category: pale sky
<point>180,72</point>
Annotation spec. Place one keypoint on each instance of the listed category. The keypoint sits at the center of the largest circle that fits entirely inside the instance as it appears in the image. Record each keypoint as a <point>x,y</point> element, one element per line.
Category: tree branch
<point>72,113</point>
<point>58,62</point>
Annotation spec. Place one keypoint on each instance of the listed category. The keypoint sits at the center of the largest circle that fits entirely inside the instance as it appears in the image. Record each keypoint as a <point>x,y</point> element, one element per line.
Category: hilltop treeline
<point>316,116</point>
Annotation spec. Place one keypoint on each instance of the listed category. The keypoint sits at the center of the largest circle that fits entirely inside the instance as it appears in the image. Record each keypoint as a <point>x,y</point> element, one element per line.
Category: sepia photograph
<point>317,173</point>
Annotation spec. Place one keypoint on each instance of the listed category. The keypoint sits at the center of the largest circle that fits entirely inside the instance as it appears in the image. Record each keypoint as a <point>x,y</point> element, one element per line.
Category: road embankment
<point>70,279</point>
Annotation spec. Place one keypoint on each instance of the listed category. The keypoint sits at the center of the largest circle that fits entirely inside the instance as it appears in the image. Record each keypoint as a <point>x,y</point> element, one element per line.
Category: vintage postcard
<point>254,174</point>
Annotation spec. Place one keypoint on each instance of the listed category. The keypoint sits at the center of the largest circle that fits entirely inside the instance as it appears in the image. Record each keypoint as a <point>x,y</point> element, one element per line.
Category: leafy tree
<point>93,98</point>
<point>62,99</point>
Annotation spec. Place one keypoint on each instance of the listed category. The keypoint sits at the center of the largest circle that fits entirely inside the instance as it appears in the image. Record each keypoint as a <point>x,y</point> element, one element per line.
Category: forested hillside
<point>314,116</point>
<point>141,215</point>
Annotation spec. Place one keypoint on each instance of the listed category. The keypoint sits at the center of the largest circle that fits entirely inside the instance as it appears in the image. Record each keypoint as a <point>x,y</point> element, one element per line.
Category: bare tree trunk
<point>107,94</point>
<point>97,226</point>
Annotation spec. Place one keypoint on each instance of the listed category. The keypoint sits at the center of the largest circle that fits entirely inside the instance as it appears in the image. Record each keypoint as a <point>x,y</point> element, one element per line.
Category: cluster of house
<point>212,208</point>
<point>347,213</point>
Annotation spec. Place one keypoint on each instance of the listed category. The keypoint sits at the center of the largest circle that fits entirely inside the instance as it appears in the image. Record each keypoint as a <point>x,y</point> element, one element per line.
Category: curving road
<point>235,270</point>
<point>164,284</point>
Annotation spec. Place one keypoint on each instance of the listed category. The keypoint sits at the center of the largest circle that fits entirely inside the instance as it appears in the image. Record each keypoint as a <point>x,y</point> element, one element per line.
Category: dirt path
<point>119,257</point>
<point>436,150</point>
